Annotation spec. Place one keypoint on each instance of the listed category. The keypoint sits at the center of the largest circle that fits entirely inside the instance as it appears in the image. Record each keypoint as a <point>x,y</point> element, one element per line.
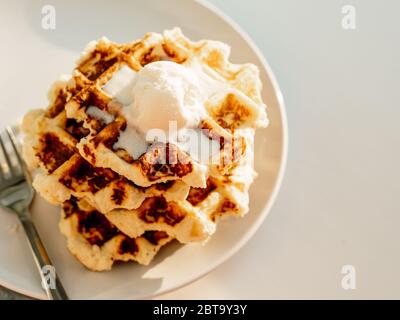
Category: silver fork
<point>16,194</point>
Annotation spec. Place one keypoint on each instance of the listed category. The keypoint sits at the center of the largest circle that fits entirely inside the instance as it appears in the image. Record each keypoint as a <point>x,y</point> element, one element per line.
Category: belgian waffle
<point>240,108</point>
<point>193,219</point>
<point>112,200</point>
<point>97,244</point>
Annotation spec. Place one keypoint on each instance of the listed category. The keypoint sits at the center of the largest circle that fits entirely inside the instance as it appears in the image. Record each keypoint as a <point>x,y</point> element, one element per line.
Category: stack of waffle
<point>116,207</point>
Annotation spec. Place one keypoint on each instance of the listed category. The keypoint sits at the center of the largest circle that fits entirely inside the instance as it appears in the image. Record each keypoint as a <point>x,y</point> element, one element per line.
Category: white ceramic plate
<point>37,56</point>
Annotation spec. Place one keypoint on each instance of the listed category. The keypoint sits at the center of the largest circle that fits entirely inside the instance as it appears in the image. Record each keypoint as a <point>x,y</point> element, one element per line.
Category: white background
<point>339,203</point>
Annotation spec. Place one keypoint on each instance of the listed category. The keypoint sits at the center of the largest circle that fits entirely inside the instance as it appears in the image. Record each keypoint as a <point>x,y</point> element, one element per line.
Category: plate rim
<point>275,190</point>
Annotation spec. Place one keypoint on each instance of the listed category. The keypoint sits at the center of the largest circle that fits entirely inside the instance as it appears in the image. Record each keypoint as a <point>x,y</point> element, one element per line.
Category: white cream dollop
<point>165,101</point>
<point>165,92</point>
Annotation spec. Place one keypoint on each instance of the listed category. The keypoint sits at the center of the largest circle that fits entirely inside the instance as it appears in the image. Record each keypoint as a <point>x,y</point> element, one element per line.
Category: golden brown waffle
<point>238,109</point>
<point>193,219</point>
<point>95,69</point>
<point>97,244</point>
<point>133,201</point>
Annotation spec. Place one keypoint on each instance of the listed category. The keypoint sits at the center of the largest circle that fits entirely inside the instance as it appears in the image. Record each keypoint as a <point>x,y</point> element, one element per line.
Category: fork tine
<point>12,136</point>
<point>14,143</point>
<point>6,157</point>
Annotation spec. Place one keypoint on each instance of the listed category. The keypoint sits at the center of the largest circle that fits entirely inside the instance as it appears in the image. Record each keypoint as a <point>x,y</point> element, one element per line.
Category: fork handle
<point>42,260</point>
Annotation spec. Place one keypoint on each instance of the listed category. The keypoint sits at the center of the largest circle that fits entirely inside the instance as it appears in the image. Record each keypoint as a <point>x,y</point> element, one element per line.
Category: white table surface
<point>339,203</point>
